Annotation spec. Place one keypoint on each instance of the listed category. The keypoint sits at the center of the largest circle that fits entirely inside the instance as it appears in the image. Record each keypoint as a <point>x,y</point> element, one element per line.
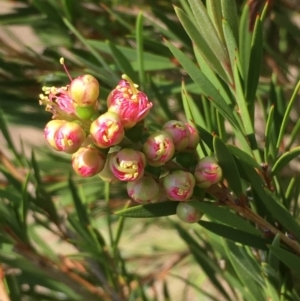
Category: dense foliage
<point>228,68</point>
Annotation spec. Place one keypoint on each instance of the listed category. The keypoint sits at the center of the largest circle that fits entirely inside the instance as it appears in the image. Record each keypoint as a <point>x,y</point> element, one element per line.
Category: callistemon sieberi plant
<point>99,145</point>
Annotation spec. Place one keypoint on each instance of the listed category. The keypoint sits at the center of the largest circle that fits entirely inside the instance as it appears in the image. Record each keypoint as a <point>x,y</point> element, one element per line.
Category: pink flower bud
<point>193,138</point>
<point>159,148</point>
<point>106,174</point>
<point>69,137</point>
<point>107,130</point>
<point>188,213</point>
<point>50,131</point>
<point>143,190</point>
<point>179,133</point>
<point>127,164</point>
<point>179,185</point>
<point>84,90</point>
<point>88,161</point>
<point>207,172</point>
<point>129,103</point>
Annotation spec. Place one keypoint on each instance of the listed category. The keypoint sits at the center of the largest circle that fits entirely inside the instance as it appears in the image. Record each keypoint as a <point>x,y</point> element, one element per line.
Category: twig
<point>224,196</point>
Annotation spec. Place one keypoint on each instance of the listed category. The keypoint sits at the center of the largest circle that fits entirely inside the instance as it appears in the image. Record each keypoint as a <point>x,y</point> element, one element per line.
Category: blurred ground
<point>18,36</point>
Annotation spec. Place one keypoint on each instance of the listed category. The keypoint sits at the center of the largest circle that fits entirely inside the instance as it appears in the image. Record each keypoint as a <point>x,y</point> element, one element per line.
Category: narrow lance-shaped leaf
<point>245,37</point>
<point>208,31</point>
<point>208,89</point>
<point>200,43</point>
<point>229,13</point>
<point>122,62</point>
<point>243,266</point>
<point>289,259</point>
<point>287,115</point>
<point>285,159</point>
<point>224,215</point>
<point>229,168</point>
<point>235,235</point>
<point>214,11</point>
<point>140,49</point>
<point>150,210</point>
<point>256,56</point>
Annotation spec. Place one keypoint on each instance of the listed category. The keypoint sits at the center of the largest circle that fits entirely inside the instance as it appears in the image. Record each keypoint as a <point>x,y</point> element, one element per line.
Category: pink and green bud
<point>128,102</point>
<point>179,133</point>
<point>106,174</point>
<point>143,190</point>
<point>188,213</point>
<point>84,90</point>
<point>159,148</point>
<point>88,161</point>
<point>194,137</point>
<point>179,185</point>
<point>127,164</point>
<point>69,137</point>
<point>107,130</point>
<point>50,131</point>
<point>207,172</point>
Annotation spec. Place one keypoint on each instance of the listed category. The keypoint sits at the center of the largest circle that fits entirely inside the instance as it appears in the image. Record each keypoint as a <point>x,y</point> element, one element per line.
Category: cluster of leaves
<point>236,60</point>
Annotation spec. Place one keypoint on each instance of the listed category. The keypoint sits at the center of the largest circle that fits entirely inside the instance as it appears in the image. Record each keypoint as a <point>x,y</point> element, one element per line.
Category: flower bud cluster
<point>99,145</point>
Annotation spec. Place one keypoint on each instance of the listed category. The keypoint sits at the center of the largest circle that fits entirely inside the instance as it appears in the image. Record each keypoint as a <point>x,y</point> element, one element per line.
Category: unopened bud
<point>179,185</point>
<point>84,90</point>
<point>193,138</point>
<point>179,133</point>
<point>88,161</point>
<point>143,190</point>
<point>107,130</point>
<point>50,131</point>
<point>127,164</point>
<point>69,137</point>
<point>207,172</point>
<point>188,213</point>
<point>159,148</point>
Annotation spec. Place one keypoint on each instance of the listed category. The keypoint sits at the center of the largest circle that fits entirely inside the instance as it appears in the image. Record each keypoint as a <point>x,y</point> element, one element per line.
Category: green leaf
<point>243,156</point>
<point>231,44</point>
<point>23,209</point>
<point>224,215</point>
<point>98,57</point>
<point>268,199</point>
<point>284,160</point>
<point>80,208</point>
<point>122,62</point>
<point>200,43</point>
<point>245,38</point>
<point>151,61</point>
<point>287,115</point>
<point>229,13</point>
<point>6,135</point>
<point>269,150</point>
<point>210,268</point>
<point>214,11</point>
<point>140,49</point>
<point>244,113</point>
<point>291,260</point>
<point>208,31</point>
<point>244,266</point>
<point>256,56</point>
<point>229,168</point>
<point>205,85</point>
<point>150,210</point>
<point>235,235</point>
<point>272,259</point>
